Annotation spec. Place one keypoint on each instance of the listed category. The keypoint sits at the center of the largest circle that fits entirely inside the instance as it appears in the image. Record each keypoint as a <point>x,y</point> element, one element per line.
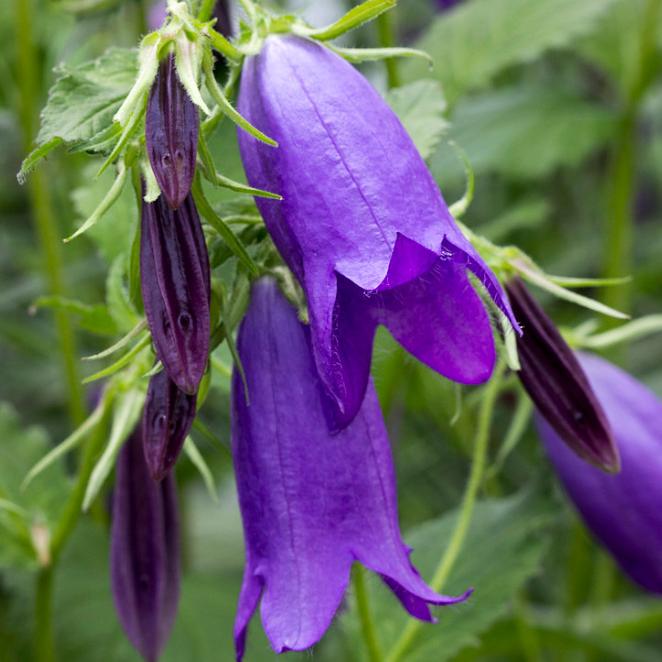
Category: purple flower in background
<point>223,15</point>
<point>362,223</point>
<point>144,552</point>
<point>444,5</point>
<point>557,385</point>
<point>623,510</point>
<point>312,503</point>
<point>171,134</point>
<point>174,276</point>
<point>167,419</point>
<point>157,14</point>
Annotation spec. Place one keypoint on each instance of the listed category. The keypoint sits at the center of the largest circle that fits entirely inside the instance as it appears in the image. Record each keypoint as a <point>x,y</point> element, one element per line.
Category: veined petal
<point>312,502</point>
<point>171,134</point>
<point>354,189</point>
<point>167,419</point>
<point>174,274</point>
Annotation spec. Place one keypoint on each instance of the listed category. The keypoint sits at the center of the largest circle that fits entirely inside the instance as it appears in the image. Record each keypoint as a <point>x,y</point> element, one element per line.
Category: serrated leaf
<point>504,548</point>
<point>480,38</point>
<point>420,106</point>
<point>84,98</point>
<point>524,132</point>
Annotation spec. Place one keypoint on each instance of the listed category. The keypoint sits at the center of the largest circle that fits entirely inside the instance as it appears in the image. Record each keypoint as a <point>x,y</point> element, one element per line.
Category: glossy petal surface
<point>174,274</point>
<point>354,191</point>
<point>622,510</point>
<point>557,384</point>
<point>312,503</point>
<point>144,553</point>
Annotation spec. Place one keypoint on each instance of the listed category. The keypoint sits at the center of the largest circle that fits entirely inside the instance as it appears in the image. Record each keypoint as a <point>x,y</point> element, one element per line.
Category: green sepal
<point>35,157</point>
<point>358,55</point>
<point>354,18</point>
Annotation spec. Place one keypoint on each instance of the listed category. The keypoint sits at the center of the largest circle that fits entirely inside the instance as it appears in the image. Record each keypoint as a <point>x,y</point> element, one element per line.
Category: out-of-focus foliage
<point>534,92</point>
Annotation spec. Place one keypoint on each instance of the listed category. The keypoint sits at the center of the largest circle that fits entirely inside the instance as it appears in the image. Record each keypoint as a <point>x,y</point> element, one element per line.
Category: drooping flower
<point>362,223</point>
<point>167,419</point>
<point>557,384</point>
<point>622,510</point>
<point>312,503</point>
<point>174,275</point>
<point>144,552</point>
<point>171,134</point>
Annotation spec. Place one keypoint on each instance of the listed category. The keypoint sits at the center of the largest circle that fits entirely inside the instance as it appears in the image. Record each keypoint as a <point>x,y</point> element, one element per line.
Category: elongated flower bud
<point>555,381</point>
<point>167,419</point>
<point>312,503</point>
<point>171,134</point>
<point>174,275</point>
<point>223,16</point>
<point>621,510</point>
<point>144,552</point>
<point>362,223</point>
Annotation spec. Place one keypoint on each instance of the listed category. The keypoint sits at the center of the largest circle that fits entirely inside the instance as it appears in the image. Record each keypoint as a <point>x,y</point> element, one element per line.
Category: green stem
<point>368,630</point>
<point>622,171</point>
<point>386,38</point>
<point>42,210</point>
<point>44,641</point>
<point>478,463</point>
<point>527,634</point>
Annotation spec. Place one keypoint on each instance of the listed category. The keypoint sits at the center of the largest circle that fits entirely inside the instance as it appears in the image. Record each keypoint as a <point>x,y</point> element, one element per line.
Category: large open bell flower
<point>144,552</point>
<point>312,503</point>
<point>622,510</point>
<point>362,224</point>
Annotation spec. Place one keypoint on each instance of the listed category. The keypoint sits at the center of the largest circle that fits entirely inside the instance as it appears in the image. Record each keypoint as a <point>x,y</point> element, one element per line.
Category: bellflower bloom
<point>144,552</point>
<point>171,134</point>
<point>623,510</point>
<point>312,503</point>
<point>557,385</point>
<point>167,419</point>
<point>174,275</point>
<point>362,223</point>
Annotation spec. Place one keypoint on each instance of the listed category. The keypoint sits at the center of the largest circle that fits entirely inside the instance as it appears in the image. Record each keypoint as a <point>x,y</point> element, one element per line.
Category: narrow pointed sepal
<point>167,419</point>
<point>144,552</point>
<point>312,502</point>
<point>557,384</point>
<point>174,276</point>
<point>171,134</point>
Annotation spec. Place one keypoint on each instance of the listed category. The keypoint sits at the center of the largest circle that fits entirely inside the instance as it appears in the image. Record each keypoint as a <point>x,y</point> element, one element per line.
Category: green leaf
<point>84,98</point>
<point>117,297</point>
<point>421,107</point>
<point>525,132</point>
<point>481,38</point>
<point>505,546</point>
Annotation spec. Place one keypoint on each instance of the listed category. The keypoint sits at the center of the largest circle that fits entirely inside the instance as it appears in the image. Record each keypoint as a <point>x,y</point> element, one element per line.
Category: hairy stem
<point>478,463</point>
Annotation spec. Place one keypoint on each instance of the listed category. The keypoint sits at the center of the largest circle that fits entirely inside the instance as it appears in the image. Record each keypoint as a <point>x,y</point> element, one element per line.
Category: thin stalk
<point>386,38</point>
<point>368,629</point>
<point>478,464</point>
<point>44,640</point>
<point>42,210</point>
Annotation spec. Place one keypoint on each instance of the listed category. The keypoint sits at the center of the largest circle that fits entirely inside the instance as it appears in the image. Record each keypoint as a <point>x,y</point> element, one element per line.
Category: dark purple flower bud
<point>622,510</point>
<point>312,503</point>
<point>223,16</point>
<point>362,224</point>
<point>174,278</point>
<point>144,552</point>
<point>171,134</point>
<point>557,385</point>
<point>167,419</point>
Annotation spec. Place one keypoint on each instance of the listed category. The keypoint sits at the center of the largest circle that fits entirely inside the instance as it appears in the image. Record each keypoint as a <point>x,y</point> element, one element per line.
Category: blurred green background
<point>558,107</point>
